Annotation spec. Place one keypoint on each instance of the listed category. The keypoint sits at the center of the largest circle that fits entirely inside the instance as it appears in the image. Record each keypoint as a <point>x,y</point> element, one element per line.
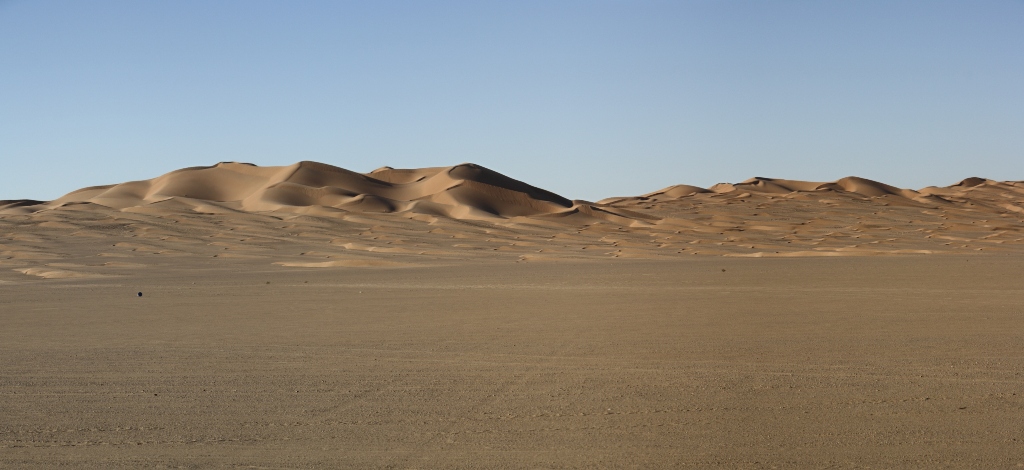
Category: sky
<point>589,99</point>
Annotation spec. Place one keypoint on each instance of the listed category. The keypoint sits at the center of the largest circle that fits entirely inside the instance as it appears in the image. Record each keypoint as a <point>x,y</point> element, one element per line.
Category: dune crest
<point>462,191</point>
<point>851,184</point>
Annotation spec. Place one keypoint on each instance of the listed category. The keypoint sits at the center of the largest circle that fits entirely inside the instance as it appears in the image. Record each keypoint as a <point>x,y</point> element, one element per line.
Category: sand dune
<point>316,215</point>
<point>463,191</point>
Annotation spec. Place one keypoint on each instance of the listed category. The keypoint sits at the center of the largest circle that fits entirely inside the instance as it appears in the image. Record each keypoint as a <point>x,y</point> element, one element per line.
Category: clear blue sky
<point>589,99</point>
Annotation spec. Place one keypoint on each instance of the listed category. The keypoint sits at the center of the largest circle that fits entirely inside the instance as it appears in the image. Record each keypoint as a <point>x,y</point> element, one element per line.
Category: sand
<point>769,323</point>
<point>317,214</point>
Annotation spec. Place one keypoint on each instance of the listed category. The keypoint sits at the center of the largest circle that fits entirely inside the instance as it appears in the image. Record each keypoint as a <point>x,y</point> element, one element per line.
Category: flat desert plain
<point>311,317</point>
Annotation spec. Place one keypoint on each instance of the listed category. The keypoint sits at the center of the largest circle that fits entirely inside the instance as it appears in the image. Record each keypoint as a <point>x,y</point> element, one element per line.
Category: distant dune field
<point>316,214</point>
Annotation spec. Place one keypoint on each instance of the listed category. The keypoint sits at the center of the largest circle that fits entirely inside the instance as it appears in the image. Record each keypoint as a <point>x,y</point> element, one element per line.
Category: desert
<point>308,316</point>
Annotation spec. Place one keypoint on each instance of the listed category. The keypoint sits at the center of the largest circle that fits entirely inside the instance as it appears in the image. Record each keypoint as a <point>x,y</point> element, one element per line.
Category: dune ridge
<point>315,215</point>
<point>851,185</point>
<point>460,191</point>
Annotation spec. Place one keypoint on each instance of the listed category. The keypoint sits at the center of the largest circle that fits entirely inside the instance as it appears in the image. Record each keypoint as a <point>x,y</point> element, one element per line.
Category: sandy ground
<point>307,316</point>
<point>910,361</point>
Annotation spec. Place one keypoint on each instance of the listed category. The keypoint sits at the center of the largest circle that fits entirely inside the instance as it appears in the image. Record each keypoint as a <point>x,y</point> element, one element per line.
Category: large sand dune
<point>462,191</point>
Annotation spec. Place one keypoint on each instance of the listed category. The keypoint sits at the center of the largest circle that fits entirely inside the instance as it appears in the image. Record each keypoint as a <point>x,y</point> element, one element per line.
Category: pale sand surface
<point>887,362</point>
